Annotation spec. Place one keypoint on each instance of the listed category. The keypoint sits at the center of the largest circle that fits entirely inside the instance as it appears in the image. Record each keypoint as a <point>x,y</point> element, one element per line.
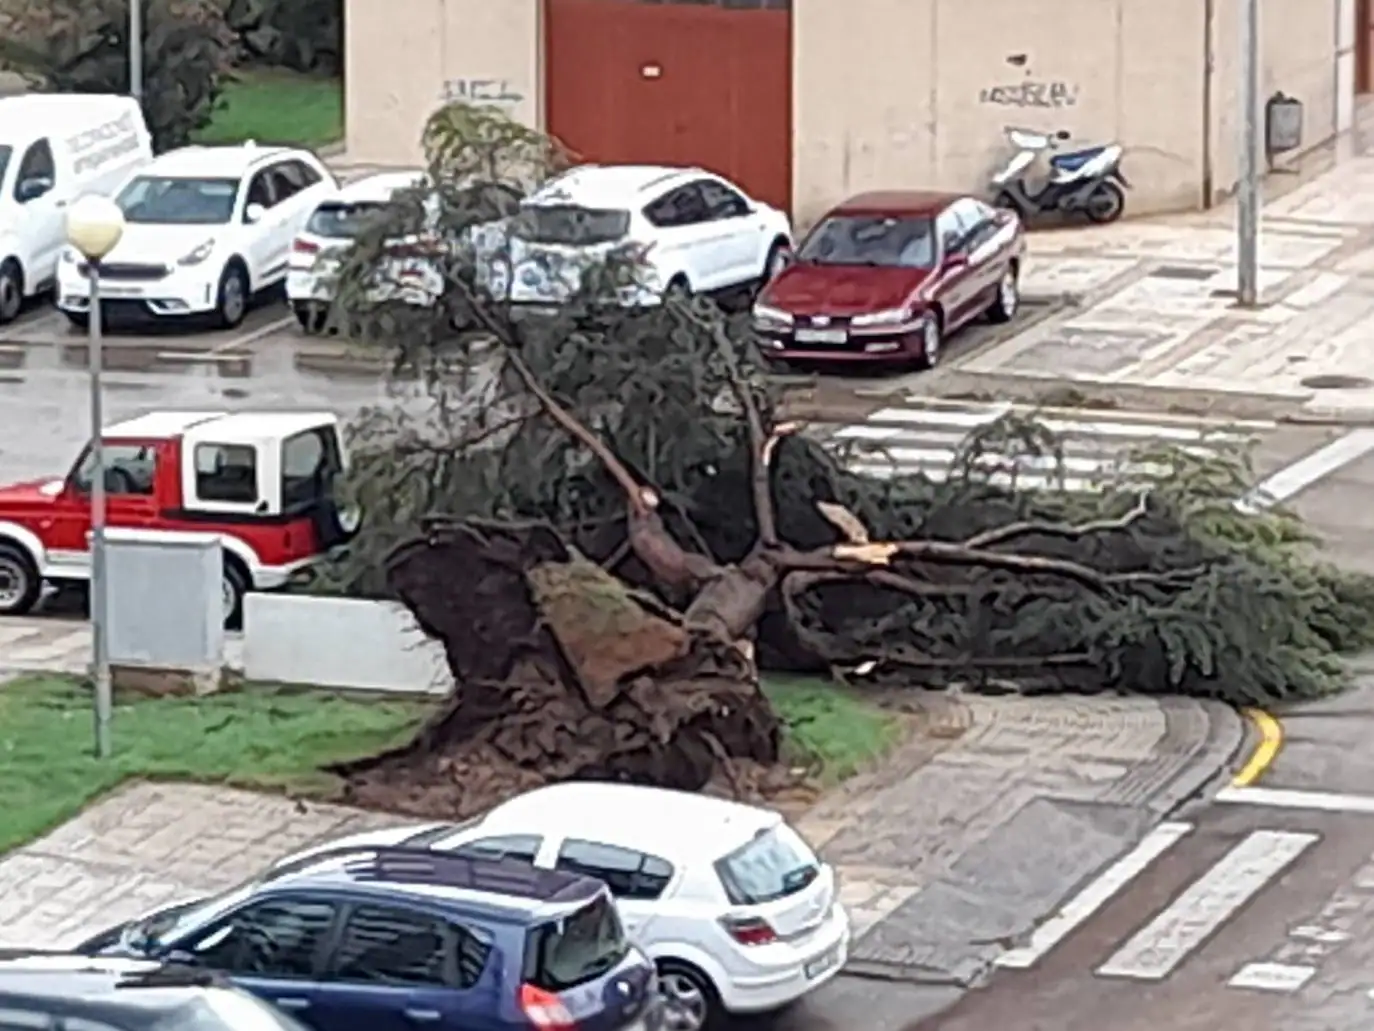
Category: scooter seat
<point>1076,160</point>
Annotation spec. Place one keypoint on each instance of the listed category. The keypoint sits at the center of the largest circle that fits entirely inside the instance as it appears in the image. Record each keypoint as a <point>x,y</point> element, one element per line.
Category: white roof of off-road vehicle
<point>224,427</point>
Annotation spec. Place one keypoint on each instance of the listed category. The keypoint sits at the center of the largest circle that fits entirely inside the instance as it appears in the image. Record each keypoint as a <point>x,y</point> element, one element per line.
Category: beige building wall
<point>405,58</point>
<point>908,93</point>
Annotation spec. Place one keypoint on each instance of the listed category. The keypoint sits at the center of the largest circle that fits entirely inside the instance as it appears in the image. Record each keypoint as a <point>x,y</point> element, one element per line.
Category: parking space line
<point>250,337</point>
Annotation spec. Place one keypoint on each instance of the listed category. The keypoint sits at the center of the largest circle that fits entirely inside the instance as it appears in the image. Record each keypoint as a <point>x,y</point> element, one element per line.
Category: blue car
<point>405,939</point>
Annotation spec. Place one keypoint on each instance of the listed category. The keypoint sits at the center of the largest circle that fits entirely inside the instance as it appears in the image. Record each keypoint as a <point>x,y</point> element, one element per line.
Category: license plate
<point>822,336</point>
<point>119,291</point>
<point>825,962</point>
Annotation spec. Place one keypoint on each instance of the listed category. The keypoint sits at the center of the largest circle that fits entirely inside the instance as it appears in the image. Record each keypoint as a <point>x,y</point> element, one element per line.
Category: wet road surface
<point>1256,917</point>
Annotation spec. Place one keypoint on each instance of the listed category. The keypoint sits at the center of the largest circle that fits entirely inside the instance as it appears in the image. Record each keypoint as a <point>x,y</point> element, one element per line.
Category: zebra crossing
<point>925,436</point>
<point>1266,907</point>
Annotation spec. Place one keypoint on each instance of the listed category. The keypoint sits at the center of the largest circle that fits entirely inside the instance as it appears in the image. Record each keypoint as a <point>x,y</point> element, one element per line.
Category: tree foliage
<point>82,46</point>
<point>303,35</point>
<point>648,442</point>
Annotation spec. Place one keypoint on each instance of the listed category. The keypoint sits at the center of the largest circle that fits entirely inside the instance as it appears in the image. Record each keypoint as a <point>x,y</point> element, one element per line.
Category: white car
<point>206,229</point>
<point>690,231</point>
<point>318,250</point>
<point>734,907</point>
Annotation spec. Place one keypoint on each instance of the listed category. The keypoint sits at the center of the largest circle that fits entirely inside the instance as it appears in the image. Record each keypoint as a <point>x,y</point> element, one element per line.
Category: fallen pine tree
<point>601,516</point>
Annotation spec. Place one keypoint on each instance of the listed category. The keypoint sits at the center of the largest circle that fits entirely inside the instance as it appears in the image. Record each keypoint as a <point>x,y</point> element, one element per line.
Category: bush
<point>82,46</point>
<point>303,35</point>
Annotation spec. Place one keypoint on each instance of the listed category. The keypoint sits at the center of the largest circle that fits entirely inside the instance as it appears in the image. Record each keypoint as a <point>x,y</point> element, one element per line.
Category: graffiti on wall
<point>1052,93</point>
<point>501,92</point>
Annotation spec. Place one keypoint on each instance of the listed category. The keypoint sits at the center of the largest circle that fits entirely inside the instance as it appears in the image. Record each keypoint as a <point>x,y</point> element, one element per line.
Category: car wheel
<point>1008,298</point>
<point>11,291</point>
<point>309,316</point>
<point>690,1002</point>
<point>778,257</point>
<point>232,303</point>
<point>233,586</point>
<point>20,584</point>
<point>932,340</point>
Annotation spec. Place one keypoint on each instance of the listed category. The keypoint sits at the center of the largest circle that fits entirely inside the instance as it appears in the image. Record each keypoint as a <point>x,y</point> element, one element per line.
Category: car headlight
<point>766,317</point>
<point>198,255</point>
<point>886,317</point>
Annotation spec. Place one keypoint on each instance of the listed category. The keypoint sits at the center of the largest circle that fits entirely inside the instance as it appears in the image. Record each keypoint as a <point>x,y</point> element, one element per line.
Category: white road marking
<point>254,335</point>
<point>1096,895</point>
<point>926,438</point>
<point>1207,903</point>
<point>1291,798</point>
<point>1294,479</point>
<point>1271,977</point>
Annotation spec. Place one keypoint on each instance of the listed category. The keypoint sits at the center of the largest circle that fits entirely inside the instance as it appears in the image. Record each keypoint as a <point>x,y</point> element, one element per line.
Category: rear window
<point>343,221</point>
<point>775,864</point>
<point>567,224</point>
<point>565,953</point>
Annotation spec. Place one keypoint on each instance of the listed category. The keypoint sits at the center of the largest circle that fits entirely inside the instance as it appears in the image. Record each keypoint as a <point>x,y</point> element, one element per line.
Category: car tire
<point>310,317</point>
<point>20,582</point>
<point>1008,300</point>
<point>78,320</point>
<point>231,300</point>
<point>690,999</point>
<point>932,340</point>
<point>11,291</point>
<point>233,586</point>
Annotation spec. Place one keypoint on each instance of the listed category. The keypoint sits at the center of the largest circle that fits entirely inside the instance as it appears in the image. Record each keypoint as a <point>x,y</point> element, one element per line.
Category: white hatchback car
<point>734,907</point>
<point>319,249</point>
<point>690,231</point>
<point>206,228</point>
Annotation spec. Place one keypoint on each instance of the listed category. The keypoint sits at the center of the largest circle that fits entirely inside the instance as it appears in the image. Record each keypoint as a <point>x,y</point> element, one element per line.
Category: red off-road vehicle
<point>264,481</point>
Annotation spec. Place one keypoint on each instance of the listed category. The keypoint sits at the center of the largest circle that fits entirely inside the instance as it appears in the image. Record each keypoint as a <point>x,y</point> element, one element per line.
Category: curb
<point>1266,749</point>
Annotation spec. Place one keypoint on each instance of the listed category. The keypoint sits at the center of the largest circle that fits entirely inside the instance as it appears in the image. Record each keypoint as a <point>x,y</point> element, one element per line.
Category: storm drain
<point>1192,273</point>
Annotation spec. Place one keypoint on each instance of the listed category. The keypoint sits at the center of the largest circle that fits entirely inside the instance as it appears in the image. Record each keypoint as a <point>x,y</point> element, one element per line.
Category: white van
<point>54,148</point>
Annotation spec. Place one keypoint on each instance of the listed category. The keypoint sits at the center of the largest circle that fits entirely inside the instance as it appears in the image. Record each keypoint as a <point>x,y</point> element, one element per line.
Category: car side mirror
<point>253,213</point>
<point>32,189</point>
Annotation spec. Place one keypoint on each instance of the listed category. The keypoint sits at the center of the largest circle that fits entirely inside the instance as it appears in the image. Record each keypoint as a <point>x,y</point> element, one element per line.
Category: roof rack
<point>400,864</point>
<point>174,975</point>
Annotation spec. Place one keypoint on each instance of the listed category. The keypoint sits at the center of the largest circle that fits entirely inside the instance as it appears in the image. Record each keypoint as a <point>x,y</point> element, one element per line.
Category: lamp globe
<point>94,225</point>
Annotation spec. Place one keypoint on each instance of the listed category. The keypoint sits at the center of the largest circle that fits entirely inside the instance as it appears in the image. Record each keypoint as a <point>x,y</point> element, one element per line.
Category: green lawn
<point>271,106</point>
<point>275,738</point>
<point>831,726</point>
<point>282,738</point>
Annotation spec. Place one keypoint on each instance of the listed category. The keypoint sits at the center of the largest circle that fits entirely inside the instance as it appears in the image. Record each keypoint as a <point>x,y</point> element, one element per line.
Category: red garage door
<point>690,83</point>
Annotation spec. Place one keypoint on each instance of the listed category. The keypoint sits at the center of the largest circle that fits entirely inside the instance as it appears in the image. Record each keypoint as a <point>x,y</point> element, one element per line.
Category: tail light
<point>749,930</point>
<point>301,246</point>
<point>545,1010</point>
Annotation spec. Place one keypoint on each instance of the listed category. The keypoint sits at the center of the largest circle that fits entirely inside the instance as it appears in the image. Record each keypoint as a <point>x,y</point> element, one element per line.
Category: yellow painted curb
<point>1271,740</point>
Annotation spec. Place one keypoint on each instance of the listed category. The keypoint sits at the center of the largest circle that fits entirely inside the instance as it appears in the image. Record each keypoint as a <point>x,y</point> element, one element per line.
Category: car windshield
<point>564,953</point>
<point>570,225</point>
<point>339,221</point>
<point>774,864</point>
<point>225,1009</point>
<point>881,240</point>
<point>162,200</point>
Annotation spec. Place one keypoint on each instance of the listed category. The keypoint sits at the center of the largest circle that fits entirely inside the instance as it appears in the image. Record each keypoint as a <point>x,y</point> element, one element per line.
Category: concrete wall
<point>339,642</point>
<point>404,60</point>
<point>891,93</point>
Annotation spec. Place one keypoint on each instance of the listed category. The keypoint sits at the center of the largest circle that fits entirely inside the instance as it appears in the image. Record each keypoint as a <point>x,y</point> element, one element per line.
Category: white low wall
<point>339,642</point>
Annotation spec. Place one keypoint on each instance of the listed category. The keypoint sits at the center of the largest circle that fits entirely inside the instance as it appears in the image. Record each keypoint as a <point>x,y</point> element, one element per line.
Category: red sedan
<point>889,276</point>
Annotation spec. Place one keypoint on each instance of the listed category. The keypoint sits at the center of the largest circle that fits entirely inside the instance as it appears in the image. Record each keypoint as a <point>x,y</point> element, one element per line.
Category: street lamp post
<point>136,49</point>
<point>94,226</point>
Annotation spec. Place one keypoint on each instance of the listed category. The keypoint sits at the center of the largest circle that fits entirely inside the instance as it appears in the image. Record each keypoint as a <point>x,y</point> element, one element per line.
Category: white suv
<point>206,229</point>
<point>736,910</point>
<point>690,231</point>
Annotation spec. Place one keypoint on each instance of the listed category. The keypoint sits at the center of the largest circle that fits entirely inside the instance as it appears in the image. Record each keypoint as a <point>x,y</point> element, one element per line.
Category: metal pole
<point>1248,192</point>
<point>136,49</point>
<point>104,692</point>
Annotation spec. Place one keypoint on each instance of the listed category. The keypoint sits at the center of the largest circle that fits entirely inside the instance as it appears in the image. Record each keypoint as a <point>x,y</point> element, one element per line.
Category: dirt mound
<point>565,673</point>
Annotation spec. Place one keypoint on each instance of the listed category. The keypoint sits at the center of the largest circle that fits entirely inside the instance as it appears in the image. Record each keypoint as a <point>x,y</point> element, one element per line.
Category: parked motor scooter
<point>1087,182</point>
